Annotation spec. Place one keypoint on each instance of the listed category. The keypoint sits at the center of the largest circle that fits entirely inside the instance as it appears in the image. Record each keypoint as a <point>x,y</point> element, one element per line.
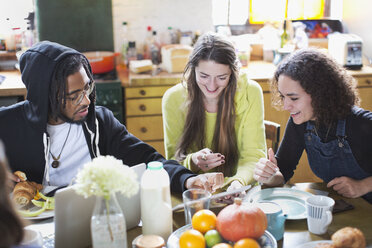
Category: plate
<point>267,240</point>
<point>292,201</point>
<point>44,215</point>
<point>314,243</point>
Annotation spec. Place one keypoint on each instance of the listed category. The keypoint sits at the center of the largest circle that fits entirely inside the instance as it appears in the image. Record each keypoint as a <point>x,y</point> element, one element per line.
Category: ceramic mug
<point>275,218</point>
<point>32,237</point>
<point>319,213</point>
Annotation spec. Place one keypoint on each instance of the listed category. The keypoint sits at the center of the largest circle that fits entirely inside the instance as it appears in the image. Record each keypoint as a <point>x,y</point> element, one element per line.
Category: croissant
<point>24,192</point>
<point>21,175</point>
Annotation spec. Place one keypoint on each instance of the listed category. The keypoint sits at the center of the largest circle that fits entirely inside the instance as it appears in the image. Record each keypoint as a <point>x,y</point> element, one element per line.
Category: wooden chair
<point>272,132</point>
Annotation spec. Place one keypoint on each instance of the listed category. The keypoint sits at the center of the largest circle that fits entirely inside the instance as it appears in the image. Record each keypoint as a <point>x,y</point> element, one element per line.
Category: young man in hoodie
<point>58,128</point>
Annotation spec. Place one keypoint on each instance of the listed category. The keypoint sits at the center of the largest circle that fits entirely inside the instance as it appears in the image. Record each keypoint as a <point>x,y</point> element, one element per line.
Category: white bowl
<point>32,237</point>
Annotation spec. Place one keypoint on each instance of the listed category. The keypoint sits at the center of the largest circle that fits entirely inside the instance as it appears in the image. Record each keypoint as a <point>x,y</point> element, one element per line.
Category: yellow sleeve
<point>174,115</point>
<point>250,130</point>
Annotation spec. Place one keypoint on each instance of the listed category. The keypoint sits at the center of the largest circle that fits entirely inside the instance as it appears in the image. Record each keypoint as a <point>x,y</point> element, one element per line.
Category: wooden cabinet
<point>143,98</point>
<point>365,91</point>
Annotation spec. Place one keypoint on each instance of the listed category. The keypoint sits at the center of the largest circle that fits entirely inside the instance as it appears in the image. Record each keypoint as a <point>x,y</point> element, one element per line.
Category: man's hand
<point>349,187</point>
<point>13,177</point>
<point>207,181</point>
<point>206,160</point>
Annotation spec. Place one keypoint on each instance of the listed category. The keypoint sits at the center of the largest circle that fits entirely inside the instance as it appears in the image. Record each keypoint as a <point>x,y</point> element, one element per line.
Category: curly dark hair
<point>332,89</point>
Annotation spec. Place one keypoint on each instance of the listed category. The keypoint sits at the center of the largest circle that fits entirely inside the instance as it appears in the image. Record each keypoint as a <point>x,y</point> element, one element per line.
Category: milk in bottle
<point>156,207</point>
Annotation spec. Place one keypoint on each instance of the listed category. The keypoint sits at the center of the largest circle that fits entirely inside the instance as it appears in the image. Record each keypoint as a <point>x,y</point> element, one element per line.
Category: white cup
<point>32,237</point>
<point>195,200</point>
<point>319,213</point>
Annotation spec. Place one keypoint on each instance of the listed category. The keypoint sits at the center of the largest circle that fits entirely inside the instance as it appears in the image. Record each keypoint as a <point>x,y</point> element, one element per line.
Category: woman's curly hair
<point>332,90</point>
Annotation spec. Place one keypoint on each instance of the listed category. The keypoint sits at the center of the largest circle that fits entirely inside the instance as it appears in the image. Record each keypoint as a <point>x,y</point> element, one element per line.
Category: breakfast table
<point>296,231</point>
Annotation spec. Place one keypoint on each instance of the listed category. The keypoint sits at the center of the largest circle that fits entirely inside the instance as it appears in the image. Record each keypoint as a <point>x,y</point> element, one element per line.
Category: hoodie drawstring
<point>97,137</point>
<point>46,156</point>
<point>94,142</point>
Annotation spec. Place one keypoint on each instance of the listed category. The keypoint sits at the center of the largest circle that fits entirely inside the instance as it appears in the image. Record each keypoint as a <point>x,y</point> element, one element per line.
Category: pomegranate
<point>238,221</point>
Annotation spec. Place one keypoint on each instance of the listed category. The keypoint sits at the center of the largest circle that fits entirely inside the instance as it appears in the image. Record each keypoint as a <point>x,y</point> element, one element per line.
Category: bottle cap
<point>155,165</point>
<point>149,241</point>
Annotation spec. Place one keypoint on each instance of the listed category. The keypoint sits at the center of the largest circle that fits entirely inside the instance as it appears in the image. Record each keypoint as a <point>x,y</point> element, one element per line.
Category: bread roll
<point>21,175</point>
<point>349,237</point>
<point>175,57</point>
<point>24,192</point>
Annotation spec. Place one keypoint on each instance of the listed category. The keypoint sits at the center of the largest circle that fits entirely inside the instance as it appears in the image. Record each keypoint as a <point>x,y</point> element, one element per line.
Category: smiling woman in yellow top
<point>213,121</point>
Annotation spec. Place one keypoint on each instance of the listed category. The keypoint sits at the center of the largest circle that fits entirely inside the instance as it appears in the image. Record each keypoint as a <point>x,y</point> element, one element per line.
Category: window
<point>230,12</point>
<point>16,16</point>
<point>240,12</point>
<point>13,14</point>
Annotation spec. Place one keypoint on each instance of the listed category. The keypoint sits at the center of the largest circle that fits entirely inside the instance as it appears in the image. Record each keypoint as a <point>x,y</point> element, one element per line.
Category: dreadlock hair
<point>211,47</point>
<point>57,91</point>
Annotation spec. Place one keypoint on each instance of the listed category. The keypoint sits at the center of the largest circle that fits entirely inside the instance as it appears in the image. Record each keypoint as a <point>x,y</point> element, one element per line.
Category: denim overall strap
<point>334,158</point>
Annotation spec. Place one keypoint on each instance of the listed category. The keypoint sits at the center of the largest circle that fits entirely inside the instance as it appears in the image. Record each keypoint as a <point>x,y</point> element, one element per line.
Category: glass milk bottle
<point>156,207</point>
<point>108,226</point>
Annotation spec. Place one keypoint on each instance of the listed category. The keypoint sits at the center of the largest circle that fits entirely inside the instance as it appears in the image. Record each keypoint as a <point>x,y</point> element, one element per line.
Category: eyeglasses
<point>78,98</point>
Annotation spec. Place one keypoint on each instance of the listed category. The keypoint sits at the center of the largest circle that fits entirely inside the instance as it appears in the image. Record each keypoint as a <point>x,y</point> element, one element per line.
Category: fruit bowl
<point>266,241</point>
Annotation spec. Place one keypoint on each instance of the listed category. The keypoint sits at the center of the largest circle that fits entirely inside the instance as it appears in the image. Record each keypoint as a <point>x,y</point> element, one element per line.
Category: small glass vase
<point>107,224</point>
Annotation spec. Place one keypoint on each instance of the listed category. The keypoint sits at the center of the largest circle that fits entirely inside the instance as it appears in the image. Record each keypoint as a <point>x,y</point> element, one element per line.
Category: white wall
<point>186,15</point>
<point>357,15</point>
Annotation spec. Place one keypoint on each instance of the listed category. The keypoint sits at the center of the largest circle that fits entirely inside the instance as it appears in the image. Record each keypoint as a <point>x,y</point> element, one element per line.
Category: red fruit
<point>238,221</point>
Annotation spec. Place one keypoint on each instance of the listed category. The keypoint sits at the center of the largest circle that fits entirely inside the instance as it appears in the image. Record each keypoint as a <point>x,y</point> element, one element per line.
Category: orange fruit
<point>192,239</point>
<point>204,220</point>
<point>247,243</point>
<point>222,245</point>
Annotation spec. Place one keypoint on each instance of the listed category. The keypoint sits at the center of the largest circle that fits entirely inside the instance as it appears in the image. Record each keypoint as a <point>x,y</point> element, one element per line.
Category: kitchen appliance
<point>346,49</point>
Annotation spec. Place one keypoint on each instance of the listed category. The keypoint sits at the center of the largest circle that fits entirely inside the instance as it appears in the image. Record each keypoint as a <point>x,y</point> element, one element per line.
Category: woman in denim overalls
<point>325,121</point>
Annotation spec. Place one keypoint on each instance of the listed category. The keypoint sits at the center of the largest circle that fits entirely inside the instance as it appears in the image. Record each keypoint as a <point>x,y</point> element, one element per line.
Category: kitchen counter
<point>259,71</point>
<point>12,85</point>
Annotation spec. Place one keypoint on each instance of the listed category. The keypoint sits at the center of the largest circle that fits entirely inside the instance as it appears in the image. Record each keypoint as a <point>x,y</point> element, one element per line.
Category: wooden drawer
<point>146,128</point>
<point>364,81</point>
<point>158,145</point>
<point>145,106</point>
<point>139,92</point>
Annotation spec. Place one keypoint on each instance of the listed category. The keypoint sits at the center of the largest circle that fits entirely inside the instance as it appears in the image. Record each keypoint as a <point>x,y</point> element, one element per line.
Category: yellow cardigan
<point>249,126</point>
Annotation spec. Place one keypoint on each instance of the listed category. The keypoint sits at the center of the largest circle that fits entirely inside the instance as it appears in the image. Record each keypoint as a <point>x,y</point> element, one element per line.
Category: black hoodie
<point>23,125</point>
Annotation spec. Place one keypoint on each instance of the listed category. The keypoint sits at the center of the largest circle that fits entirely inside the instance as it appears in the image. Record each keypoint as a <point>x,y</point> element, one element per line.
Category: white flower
<point>104,176</point>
